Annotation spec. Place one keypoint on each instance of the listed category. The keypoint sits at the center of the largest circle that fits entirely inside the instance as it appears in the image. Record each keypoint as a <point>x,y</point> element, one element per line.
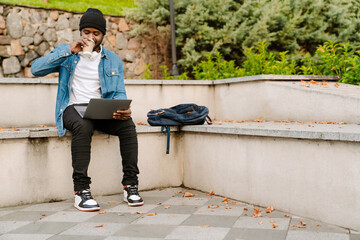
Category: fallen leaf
<point>257,213</point>
<point>151,214</point>
<point>187,194</point>
<point>271,221</point>
<point>260,222</point>
<point>292,225</point>
<point>317,225</point>
<point>138,212</point>
<point>245,209</point>
<point>213,207</point>
<point>300,226</point>
<point>205,226</point>
<point>2,129</point>
<point>275,225</point>
<point>212,191</point>
<point>120,214</point>
<point>141,123</point>
<point>102,212</point>
<point>227,207</point>
<point>166,207</point>
<point>336,85</point>
<point>270,209</point>
<point>112,202</point>
<point>225,200</point>
<point>43,215</point>
<point>286,215</point>
<point>102,225</point>
<point>303,223</point>
<point>14,129</point>
<point>234,203</point>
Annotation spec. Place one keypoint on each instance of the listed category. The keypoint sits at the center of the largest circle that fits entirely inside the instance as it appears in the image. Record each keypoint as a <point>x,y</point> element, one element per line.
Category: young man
<point>81,78</point>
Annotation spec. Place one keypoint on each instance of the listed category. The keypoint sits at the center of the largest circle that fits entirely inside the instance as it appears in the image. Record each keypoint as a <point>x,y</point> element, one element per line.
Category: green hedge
<point>231,26</point>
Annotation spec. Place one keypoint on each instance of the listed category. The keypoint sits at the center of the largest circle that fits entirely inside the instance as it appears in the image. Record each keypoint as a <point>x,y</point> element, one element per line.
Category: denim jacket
<point>63,61</point>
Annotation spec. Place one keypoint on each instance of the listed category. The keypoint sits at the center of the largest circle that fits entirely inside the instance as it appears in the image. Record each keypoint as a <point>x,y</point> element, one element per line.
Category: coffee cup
<point>88,49</point>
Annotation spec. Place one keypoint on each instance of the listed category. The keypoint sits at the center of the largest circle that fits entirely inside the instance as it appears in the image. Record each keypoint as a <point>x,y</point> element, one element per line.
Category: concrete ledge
<point>52,132</point>
<point>187,82</point>
<point>333,132</point>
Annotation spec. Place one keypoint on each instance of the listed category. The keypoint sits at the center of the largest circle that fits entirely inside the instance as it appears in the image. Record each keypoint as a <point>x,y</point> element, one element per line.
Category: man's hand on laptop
<point>122,114</point>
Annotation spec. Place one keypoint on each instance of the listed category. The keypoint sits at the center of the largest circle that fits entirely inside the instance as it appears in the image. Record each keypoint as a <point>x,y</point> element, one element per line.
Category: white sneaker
<point>131,196</point>
<point>85,202</point>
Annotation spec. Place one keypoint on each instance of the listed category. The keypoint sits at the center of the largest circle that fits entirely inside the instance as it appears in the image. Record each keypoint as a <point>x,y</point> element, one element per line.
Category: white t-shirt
<point>86,82</point>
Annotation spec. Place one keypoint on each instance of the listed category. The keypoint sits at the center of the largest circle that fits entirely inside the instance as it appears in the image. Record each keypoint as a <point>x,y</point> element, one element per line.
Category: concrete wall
<point>316,179</point>
<point>39,169</point>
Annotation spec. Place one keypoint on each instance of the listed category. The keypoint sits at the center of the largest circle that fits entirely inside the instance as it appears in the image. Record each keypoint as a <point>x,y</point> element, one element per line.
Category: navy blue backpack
<point>179,115</point>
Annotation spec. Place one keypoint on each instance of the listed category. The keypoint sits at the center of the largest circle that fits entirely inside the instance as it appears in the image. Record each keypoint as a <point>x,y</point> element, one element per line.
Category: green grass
<point>113,7</point>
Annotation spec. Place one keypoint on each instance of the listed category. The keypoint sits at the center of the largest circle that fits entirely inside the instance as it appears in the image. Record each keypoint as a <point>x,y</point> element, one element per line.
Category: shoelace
<point>133,190</point>
<point>86,195</point>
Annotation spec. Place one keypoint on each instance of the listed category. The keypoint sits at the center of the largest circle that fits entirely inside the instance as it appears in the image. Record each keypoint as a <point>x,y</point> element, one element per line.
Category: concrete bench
<point>302,168</point>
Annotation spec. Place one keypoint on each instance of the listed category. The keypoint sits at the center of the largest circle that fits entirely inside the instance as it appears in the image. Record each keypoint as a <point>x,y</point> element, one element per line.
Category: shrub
<point>334,58</point>
<point>231,26</point>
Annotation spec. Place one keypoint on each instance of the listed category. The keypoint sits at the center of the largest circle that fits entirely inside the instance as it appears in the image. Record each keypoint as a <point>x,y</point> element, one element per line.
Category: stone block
<point>50,35</point>
<point>24,13</point>
<point>108,45</point>
<point>115,19</point>
<point>5,40</point>
<point>14,25</point>
<point>74,22</point>
<point>35,17</point>
<point>54,15</point>
<point>30,30</point>
<point>51,23</point>
<point>129,55</point>
<point>5,51</point>
<point>16,48</point>
<point>62,23</point>
<point>121,41</point>
<point>11,65</point>
<point>140,67</point>
<point>2,22</point>
<point>133,44</point>
<point>38,39</point>
<point>43,47</point>
<point>27,73</point>
<point>76,34</point>
<point>66,35</point>
<point>43,27</point>
<point>112,40</point>
<point>26,41</point>
<point>29,56</point>
<point>123,26</point>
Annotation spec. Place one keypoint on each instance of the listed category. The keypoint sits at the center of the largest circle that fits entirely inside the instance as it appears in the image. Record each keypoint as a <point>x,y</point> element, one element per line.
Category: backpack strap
<point>208,120</point>
<point>166,130</point>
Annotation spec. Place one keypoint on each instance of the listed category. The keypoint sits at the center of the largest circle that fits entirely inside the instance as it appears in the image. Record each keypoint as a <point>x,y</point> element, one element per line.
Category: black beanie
<point>93,18</point>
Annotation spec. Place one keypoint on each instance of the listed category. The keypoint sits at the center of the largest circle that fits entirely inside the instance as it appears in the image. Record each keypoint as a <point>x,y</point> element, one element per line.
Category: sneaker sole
<point>87,209</point>
<point>133,204</point>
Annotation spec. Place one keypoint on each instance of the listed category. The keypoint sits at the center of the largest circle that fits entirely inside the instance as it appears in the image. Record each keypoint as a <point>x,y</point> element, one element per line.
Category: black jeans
<point>82,131</point>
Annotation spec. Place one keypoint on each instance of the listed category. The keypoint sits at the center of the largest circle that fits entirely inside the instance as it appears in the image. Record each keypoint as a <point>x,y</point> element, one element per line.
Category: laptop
<point>99,108</point>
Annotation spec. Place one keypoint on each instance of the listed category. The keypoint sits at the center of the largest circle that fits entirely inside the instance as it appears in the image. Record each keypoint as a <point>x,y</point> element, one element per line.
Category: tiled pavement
<point>165,215</point>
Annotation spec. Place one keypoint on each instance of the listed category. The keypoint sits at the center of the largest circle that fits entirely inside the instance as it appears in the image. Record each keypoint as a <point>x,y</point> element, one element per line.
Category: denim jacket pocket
<point>112,79</point>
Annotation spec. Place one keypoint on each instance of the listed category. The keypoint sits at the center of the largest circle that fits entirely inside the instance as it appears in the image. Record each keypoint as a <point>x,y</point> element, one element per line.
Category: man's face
<point>94,34</point>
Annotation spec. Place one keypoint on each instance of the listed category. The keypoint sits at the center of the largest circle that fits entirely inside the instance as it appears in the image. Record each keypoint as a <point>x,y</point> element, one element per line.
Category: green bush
<point>258,60</point>
<point>231,26</point>
<point>334,58</point>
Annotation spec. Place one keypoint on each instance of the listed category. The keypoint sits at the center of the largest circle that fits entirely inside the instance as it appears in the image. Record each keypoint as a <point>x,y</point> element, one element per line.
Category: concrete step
<point>31,102</point>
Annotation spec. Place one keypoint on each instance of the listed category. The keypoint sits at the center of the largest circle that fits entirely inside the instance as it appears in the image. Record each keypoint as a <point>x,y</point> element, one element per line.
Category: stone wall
<point>28,33</point>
